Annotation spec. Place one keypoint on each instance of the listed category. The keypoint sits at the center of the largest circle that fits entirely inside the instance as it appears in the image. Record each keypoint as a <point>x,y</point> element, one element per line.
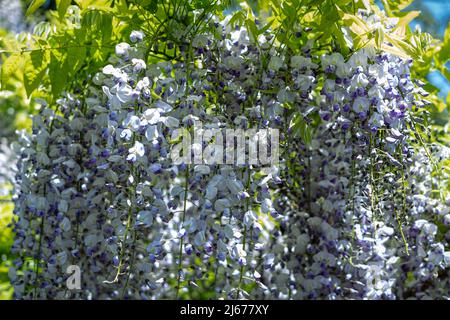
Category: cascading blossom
<point>348,215</point>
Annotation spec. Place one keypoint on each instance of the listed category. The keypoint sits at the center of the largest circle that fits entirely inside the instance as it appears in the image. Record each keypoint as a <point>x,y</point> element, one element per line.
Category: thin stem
<point>180,252</point>
<point>42,225</point>
<point>352,181</point>
<point>397,216</point>
<point>53,48</point>
<point>38,257</point>
<point>241,271</point>
<point>129,221</point>
<point>216,269</point>
<point>122,249</point>
<point>309,180</point>
<point>430,157</point>
<point>371,173</point>
<point>244,240</point>
<point>133,256</point>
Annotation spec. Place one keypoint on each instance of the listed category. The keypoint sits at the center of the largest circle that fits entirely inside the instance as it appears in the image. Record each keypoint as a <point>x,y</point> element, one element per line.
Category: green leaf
<point>62,6</point>
<point>267,26</point>
<point>34,5</point>
<point>238,18</point>
<point>301,128</point>
<point>444,53</point>
<point>94,4</point>
<point>339,36</point>
<point>152,7</point>
<point>445,72</point>
<point>395,5</point>
<point>379,37</point>
<point>330,16</point>
<point>9,67</point>
<point>35,66</point>
<point>448,101</point>
<point>403,22</point>
<point>251,25</point>
<point>400,47</point>
<point>96,22</point>
<point>305,133</point>
<point>58,73</point>
<point>356,24</point>
<point>75,58</point>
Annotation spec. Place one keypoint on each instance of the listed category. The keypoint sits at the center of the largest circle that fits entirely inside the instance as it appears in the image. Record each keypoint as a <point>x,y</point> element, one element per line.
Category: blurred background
<point>15,108</point>
<point>434,19</point>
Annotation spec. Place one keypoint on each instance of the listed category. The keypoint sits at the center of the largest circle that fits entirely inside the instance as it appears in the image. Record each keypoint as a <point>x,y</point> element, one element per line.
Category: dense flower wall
<point>349,212</point>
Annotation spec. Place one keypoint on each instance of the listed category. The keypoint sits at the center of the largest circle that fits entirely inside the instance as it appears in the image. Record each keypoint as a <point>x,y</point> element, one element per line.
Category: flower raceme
<point>123,183</point>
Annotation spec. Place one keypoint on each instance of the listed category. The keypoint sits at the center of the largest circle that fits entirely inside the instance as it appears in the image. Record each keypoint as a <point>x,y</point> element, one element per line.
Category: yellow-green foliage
<point>6,289</point>
<point>6,239</point>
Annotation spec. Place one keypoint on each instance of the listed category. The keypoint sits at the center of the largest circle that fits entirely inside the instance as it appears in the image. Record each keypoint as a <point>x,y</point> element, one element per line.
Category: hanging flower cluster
<point>7,167</point>
<point>356,232</point>
<point>347,215</point>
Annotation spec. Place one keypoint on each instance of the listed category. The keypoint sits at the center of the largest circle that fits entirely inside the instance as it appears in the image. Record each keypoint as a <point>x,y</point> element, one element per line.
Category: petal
<point>151,133</point>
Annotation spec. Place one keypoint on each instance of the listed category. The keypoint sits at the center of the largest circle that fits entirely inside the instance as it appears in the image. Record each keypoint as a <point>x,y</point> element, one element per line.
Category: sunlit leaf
<point>403,22</point>
<point>379,37</point>
<point>34,69</point>
<point>34,5</point>
<point>62,6</point>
